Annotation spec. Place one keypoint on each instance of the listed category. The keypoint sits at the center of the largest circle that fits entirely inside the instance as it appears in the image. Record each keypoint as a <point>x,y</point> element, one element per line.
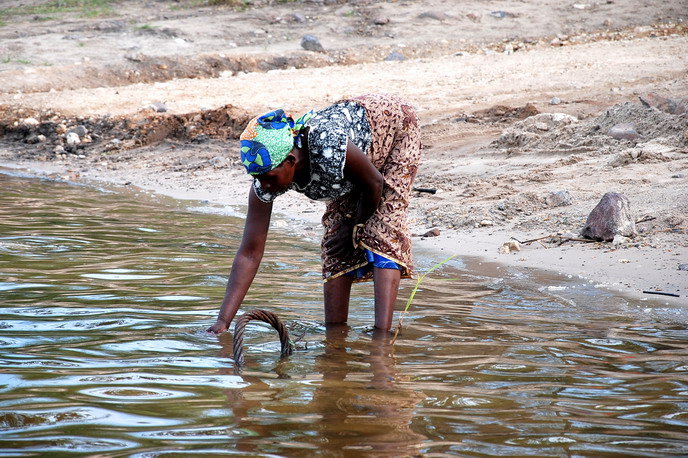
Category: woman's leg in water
<point>337,293</point>
<point>386,290</point>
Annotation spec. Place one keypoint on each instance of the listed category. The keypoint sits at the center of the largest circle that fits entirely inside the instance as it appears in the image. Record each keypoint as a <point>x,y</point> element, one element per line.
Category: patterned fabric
<point>329,130</point>
<point>395,152</point>
<point>268,139</point>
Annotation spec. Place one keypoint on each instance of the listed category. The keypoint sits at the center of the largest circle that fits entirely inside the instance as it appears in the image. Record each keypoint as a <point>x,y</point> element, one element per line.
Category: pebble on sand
<point>311,43</point>
<point>158,107</point>
<point>558,198</point>
<point>72,138</point>
<point>432,233</point>
<point>80,130</point>
<point>623,131</point>
<point>395,56</point>
<point>512,246</point>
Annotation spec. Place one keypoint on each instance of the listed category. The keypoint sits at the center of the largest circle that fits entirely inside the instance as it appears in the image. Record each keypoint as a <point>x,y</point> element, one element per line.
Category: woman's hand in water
<point>218,328</point>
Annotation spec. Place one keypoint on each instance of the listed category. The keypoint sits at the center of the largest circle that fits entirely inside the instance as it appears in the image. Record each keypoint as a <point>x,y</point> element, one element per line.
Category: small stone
<point>580,6</point>
<point>135,57</point>
<point>623,131</point>
<point>678,175</point>
<point>158,107</point>
<point>620,240</point>
<point>380,20</point>
<point>473,17</point>
<point>541,126</point>
<point>624,261</point>
<point>558,199</point>
<point>72,138</point>
<point>683,267</point>
<point>41,138</point>
<point>80,130</point>
<point>395,56</point>
<point>59,149</point>
<point>486,223</point>
<point>32,122</point>
<point>296,17</point>
<point>311,43</point>
<point>512,246</point>
<point>555,101</point>
<point>432,233</point>
<point>619,160</point>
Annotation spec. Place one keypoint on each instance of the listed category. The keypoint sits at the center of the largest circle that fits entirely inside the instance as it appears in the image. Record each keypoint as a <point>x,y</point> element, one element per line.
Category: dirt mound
<point>649,122</point>
<point>53,134</point>
<point>533,130</point>
<point>640,126</point>
<point>503,113</point>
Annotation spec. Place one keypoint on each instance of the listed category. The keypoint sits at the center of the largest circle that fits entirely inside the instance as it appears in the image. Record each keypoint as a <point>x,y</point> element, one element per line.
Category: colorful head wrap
<point>268,139</point>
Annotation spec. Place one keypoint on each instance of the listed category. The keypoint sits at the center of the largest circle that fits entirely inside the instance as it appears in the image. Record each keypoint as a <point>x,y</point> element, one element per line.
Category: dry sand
<point>495,147</point>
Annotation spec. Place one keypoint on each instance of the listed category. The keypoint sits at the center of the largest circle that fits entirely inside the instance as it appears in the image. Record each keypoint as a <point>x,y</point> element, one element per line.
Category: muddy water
<point>104,298</point>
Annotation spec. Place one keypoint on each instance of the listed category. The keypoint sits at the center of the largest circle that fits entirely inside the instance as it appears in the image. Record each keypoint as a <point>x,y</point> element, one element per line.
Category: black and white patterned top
<point>330,129</point>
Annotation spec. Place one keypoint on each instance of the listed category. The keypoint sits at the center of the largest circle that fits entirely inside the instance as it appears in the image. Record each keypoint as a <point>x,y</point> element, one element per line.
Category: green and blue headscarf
<point>268,139</point>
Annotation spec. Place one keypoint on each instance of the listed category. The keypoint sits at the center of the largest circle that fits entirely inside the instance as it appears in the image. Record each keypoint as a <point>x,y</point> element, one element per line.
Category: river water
<point>104,298</point>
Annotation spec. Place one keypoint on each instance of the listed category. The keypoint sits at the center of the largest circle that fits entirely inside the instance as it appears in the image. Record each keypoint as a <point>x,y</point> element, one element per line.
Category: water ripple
<point>134,394</point>
<point>33,420</point>
<point>61,443</point>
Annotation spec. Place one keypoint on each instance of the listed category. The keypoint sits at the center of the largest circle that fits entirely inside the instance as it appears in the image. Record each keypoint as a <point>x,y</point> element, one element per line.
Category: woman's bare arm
<point>246,261</point>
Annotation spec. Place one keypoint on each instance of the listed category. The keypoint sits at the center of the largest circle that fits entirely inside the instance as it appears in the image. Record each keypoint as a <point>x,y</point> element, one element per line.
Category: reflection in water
<point>360,402</point>
<point>352,403</point>
<point>104,300</point>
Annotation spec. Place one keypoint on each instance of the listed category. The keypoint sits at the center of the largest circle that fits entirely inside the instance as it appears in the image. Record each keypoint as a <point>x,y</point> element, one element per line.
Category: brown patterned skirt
<point>395,152</point>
